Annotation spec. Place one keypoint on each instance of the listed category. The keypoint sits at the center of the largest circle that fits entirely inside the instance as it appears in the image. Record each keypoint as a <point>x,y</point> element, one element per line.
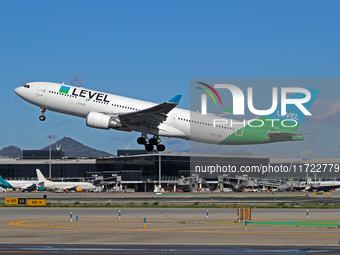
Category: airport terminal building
<point>138,170</point>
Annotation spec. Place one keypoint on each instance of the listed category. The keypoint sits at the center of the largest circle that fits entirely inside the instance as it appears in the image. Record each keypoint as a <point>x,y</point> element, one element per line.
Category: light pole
<point>50,137</point>
<point>307,136</point>
<point>159,172</point>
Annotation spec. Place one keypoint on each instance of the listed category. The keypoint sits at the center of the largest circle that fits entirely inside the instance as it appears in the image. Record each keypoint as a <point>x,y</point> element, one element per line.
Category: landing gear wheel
<point>42,118</point>
<point>141,140</point>
<point>160,147</point>
<point>149,147</point>
<point>153,141</point>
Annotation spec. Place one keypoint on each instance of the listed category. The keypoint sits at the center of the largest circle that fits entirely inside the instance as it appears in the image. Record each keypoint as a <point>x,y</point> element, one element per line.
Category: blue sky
<point>150,49</point>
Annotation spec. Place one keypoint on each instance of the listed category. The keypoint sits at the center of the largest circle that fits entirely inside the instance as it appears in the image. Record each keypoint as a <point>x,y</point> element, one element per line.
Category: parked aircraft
<point>109,111</point>
<point>321,185</point>
<point>52,185</point>
<point>22,185</point>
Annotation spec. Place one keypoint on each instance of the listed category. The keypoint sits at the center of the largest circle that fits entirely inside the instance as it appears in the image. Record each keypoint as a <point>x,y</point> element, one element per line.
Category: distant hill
<point>73,148</point>
<point>11,151</point>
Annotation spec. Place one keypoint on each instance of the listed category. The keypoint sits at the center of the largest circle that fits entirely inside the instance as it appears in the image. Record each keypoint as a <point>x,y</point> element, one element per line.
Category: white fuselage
<point>179,123</point>
<point>322,185</point>
<point>21,184</point>
<point>52,185</point>
<point>68,185</point>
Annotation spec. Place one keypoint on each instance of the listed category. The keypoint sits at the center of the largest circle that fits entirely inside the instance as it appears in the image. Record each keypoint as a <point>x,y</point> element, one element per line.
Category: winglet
<point>175,99</point>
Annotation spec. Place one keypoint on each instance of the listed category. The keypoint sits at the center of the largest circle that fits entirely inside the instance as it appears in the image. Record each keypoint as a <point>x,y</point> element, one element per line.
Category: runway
<point>163,249</point>
<point>181,198</point>
<point>101,226</point>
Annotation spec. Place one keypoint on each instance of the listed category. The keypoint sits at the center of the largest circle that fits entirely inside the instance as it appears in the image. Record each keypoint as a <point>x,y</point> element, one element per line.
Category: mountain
<point>11,151</point>
<point>73,148</point>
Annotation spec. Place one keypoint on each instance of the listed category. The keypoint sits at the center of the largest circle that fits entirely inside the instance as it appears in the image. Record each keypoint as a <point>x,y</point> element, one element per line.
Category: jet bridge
<point>113,182</point>
<point>189,183</point>
<point>238,183</point>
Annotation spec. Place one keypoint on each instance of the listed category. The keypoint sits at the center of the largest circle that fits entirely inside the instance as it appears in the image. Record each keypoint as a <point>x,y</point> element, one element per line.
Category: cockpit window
<point>27,86</point>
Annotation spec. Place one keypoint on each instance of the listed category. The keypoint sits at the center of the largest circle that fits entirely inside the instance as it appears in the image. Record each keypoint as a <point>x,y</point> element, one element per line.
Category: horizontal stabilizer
<point>225,113</point>
<point>277,136</point>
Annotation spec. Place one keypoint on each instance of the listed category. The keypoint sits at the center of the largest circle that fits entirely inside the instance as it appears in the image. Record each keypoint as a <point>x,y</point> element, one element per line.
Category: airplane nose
<point>17,91</point>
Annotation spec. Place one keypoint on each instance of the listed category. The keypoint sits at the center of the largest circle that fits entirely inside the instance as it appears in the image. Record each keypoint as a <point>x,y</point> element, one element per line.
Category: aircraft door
<point>41,90</point>
<point>173,118</point>
<point>239,132</point>
<point>81,101</point>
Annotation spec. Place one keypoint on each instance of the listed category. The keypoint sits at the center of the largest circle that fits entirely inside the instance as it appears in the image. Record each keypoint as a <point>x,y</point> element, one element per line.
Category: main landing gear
<point>42,117</point>
<point>150,143</point>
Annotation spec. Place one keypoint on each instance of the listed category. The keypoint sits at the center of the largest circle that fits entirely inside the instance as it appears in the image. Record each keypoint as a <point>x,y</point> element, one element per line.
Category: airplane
<point>77,186</point>
<point>108,111</point>
<point>320,185</point>
<point>23,185</point>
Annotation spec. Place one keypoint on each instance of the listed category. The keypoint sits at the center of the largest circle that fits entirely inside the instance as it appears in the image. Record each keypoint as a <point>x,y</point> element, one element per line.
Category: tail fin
<point>293,113</point>
<point>274,127</point>
<point>41,177</point>
<point>5,183</point>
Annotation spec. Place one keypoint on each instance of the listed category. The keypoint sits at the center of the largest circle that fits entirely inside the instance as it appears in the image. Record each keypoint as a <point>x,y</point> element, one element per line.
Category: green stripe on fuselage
<point>256,135</point>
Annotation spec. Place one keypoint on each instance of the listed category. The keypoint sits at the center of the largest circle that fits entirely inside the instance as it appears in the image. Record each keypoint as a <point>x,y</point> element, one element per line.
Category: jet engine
<point>79,189</point>
<point>101,121</point>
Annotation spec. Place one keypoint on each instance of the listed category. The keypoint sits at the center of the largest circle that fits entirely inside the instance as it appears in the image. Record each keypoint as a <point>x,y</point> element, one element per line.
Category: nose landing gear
<point>42,117</point>
<point>150,143</point>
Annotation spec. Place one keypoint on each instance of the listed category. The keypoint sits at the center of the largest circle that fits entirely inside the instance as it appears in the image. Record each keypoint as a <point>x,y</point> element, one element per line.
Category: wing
<point>70,187</point>
<point>30,186</point>
<point>75,187</point>
<point>64,187</point>
<point>152,116</point>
